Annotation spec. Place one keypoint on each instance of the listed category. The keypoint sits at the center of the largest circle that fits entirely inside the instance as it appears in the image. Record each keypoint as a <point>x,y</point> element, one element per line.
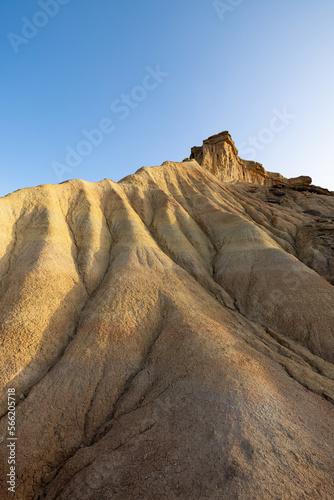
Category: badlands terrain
<point>170,336</point>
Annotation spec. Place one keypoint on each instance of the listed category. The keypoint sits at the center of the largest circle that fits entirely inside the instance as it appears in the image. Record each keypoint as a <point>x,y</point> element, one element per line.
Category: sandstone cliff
<point>170,335</point>
<point>219,156</point>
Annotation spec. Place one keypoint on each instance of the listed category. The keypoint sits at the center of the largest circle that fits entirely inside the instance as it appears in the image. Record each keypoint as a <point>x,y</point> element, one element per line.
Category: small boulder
<point>302,180</point>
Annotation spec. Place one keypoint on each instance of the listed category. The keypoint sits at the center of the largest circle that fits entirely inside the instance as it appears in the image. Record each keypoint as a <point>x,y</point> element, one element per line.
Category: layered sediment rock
<point>169,336</point>
<point>219,156</point>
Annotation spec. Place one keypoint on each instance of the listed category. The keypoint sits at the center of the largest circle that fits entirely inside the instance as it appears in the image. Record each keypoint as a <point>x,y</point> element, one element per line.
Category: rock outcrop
<point>219,156</point>
<point>170,335</point>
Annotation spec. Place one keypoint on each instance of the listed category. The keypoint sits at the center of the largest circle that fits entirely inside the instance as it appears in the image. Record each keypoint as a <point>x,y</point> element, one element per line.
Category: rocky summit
<point>169,336</point>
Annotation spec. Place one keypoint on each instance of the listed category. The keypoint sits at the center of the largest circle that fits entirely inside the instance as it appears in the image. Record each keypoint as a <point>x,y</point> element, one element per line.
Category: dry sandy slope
<point>168,338</point>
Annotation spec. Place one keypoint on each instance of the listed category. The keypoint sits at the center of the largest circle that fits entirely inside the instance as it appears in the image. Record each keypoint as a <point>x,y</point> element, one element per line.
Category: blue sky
<point>98,89</point>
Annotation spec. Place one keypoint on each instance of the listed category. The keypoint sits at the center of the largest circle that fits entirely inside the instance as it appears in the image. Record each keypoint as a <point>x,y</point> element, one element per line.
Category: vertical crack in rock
<point>100,433</point>
<point>10,253</point>
<point>76,256</point>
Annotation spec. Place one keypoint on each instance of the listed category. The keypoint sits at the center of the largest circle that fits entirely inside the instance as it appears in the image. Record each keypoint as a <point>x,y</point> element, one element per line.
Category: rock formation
<point>219,156</point>
<point>170,336</point>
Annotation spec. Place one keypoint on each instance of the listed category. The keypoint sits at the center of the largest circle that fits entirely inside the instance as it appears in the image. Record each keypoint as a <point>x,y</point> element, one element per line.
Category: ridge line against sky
<point>98,90</point>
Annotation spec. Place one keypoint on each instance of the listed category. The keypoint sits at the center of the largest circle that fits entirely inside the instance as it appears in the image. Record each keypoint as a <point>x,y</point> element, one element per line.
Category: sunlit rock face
<point>170,335</point>
<point>219,156</point>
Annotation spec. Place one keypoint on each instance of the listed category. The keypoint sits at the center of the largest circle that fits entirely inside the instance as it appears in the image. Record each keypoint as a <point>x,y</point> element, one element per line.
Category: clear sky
<point>95,89</point>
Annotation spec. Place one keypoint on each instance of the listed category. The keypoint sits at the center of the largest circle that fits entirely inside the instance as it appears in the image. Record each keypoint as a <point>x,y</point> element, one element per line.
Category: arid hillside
<point>170,336</point>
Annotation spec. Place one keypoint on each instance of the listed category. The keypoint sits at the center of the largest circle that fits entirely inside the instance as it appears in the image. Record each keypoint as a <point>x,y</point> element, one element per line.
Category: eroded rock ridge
<point>169,335</point>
